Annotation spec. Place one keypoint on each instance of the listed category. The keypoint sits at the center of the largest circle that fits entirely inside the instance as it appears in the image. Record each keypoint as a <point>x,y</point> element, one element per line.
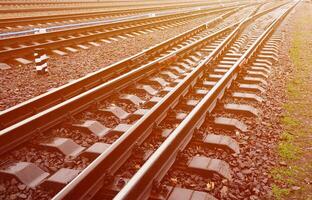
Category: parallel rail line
<point>3,11</point>
<point>140,185</point>
<point>57,2</point>
<point>31,107</point>
<point>62,38</point>
<point>90,180</point>
<point>72,89</point>
<point>121,148</point>
<point>12,22</point>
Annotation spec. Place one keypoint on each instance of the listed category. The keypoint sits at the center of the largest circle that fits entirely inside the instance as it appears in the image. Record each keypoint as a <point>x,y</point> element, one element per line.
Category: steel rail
<point>58,2</point>
<point>52,18</point>
<point>18,133</point>
<point>55,115</point>
<point>91,21</point>
<point>31,107</point>
<point>107,23</point>
<point>99,93</point>
<point>109,162</point>
<point>43,9</point>
<point>48,35</point>
<point>155,168</point>
<point>8,54</point>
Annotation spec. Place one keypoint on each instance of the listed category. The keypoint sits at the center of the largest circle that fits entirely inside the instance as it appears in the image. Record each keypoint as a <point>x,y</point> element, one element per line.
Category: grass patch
<point>284,175</point>
<point>295,123</point>
<point>288,107</point>
<point>290,122</point>
<point>300,107</point>
<point>288,151</point>
<point>279,193</point>
<point>286,136</point>
<point>293,90</point>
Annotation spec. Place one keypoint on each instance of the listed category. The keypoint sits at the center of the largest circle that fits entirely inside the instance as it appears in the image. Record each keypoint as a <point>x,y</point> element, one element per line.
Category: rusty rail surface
<point>22,130</point>
<point>120,150</point>
<point>140,184</point>
<point>43,9</point>
<point>93,177</point>
<point>35,105</point>
<point>58,2</point>
<point>108,162</point>
<point>105,33</point>
<point>53,18</point>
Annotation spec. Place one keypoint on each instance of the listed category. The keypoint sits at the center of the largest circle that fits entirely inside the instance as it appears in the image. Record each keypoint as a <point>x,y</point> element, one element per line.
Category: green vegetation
<point>290,122</point>
<point>293,90</point>
<point>285,136</point>
<point>296,121</point>
<point>279,193</point>
<point>288,151</point>
<point>286,174</point>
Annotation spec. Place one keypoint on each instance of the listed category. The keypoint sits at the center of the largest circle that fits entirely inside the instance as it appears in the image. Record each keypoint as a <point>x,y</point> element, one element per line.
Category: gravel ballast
<point>21,82</point>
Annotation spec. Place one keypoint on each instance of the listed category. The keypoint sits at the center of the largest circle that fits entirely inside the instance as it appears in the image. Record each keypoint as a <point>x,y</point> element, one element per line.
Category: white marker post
<point>41,58</point>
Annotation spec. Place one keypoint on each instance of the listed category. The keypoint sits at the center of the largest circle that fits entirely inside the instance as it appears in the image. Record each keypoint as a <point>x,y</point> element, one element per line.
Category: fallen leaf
<point>295,188</point>
<point>174,180</point>
<point>137,166</point>
<point>210,186</point>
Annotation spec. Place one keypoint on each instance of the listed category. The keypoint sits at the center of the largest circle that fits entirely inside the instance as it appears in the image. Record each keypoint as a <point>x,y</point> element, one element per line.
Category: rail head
<point>37,104</point>
<point>73,190</point>
<point>18,133</point>
<point>121,146</point>
<point>88,169</point>
<point>140,184</point>
<point>72,30</point>
<point>174,5</point>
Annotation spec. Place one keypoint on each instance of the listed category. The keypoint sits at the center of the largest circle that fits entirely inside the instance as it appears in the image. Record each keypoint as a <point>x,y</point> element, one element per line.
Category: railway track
<point>13,3</point>
<point>108,7</point>
<point>203,144</point>
<point>25,21</point>
<point>20,47</point>
<point>172,127</point>
<point>126,111</point>
<point>44,101</point>
<point>31,25</point>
